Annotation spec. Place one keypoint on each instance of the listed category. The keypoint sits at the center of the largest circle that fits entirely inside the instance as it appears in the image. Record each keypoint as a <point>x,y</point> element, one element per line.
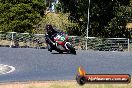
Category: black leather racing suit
<point>50,39</point>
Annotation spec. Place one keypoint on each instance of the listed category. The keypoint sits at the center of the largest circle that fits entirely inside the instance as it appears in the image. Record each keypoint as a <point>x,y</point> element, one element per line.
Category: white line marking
<point>11,67</point>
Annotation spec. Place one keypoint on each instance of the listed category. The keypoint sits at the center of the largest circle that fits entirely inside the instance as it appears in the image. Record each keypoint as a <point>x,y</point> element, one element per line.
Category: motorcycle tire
<point>70,47</point>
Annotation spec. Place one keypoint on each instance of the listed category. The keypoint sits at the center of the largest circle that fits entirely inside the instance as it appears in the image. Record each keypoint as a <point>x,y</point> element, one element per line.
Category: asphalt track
<point>39,64</point>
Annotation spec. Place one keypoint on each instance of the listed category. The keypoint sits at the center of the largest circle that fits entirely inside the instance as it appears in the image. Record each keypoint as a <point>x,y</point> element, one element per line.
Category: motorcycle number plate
<point>62,38</point>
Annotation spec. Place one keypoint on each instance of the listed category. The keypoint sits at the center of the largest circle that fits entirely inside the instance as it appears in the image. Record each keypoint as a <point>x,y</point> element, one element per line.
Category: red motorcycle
<point>61,44</point>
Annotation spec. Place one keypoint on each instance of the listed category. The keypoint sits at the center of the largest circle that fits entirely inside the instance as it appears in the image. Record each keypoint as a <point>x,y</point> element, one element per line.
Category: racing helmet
<point>49,28</point>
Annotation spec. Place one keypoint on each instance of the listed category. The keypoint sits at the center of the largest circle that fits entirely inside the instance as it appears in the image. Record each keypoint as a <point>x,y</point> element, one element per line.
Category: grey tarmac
<point>39,64</point>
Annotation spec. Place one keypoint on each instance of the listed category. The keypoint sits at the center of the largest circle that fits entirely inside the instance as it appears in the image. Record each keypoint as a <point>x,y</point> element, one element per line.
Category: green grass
<point>73,84</point>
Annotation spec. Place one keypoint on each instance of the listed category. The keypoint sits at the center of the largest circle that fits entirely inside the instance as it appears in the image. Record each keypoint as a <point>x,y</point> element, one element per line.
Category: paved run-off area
<point>39,64</point>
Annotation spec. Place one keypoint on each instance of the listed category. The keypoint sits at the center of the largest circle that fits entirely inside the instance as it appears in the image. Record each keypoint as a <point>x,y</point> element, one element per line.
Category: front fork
<point>66,45</point>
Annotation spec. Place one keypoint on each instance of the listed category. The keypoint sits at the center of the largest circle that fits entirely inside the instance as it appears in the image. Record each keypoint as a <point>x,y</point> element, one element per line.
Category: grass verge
<point>61,84</point>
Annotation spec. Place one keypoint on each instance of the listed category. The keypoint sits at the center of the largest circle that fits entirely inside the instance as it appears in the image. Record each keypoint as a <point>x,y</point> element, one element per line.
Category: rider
<point>51,32</point>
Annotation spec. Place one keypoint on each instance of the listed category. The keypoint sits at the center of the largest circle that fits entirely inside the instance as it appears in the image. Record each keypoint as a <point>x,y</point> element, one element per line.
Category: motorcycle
<point>61,44</point>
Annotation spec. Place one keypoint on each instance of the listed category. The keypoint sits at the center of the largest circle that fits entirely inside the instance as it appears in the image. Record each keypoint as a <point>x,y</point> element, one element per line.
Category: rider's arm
<point>49,39</point>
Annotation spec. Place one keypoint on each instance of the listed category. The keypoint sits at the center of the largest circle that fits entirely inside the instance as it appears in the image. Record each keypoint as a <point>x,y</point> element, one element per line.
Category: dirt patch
<point>26,85</point>
<point>35,84</point>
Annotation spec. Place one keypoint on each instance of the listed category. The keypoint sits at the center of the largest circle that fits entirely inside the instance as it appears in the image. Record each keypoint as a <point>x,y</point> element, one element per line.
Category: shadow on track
<point>63,53</point>
<point>60,53</point>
